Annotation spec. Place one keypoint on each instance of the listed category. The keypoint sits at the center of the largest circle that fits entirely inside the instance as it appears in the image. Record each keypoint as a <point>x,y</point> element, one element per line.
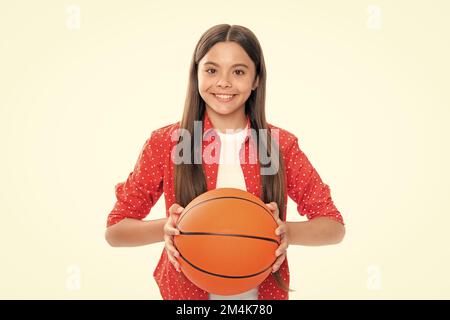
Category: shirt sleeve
<point>143,187</point>
<point>306,188</point>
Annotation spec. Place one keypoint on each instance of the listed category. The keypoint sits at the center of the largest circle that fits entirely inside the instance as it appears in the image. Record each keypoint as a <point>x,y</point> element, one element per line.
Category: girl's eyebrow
<point>234,65</point>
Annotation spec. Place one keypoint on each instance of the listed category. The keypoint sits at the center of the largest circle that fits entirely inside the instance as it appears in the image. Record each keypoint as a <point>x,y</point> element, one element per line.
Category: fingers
<point>280,253</point>
<point>170,226</point>
<point>170,247</point>
<point>175,208</point>
<point>282,248</point>
<point>175,211</point>
<point>172,252</point>
<point>174,262</point>
<point>274,208</point>
<point>278,263</point>
<point>170,230</point>
<point>281,229</point>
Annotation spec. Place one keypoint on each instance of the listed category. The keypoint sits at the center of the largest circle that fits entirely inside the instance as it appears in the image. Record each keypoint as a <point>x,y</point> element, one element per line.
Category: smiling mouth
<point>224,97</point>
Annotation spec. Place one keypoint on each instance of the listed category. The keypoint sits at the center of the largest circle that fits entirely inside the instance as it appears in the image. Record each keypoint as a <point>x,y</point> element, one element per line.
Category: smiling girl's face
<point>225,78</point>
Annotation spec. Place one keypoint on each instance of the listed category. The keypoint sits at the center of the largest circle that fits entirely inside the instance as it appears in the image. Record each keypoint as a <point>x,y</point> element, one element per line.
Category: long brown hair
<point>190,180</point>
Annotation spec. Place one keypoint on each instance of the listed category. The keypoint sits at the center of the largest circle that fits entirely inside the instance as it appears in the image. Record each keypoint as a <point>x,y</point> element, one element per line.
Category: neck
<point>234,121</point>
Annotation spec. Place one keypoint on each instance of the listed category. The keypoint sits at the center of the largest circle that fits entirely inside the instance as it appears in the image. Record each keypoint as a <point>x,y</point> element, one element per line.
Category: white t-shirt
<point>230,175</point>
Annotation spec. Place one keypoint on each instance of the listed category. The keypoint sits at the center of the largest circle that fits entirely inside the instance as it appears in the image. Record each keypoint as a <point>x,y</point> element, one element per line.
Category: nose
<point>223,82</point>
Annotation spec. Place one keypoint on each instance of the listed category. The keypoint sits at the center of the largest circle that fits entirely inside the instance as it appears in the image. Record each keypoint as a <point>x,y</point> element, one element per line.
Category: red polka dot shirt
<point>153,175</point>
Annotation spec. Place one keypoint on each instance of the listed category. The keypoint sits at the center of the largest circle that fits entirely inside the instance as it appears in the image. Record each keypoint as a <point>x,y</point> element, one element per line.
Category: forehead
<point>227,53</point>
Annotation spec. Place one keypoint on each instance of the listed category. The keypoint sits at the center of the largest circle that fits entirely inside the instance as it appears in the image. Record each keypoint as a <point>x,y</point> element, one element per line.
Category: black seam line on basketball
<point>226,235</point>
<point>226,197</point>
<point>225,276</point>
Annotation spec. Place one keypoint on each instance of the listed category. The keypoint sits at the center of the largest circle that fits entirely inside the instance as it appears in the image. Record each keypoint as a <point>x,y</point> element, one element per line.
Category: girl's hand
<point>282,231</point>
<point>170,230</point>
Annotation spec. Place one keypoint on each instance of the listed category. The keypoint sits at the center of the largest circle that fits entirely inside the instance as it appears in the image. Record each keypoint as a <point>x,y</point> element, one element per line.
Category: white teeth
<point>224,96</point>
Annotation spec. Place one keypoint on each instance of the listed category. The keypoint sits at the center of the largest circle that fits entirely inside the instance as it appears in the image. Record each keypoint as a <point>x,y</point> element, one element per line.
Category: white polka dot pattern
<point>153,175</point>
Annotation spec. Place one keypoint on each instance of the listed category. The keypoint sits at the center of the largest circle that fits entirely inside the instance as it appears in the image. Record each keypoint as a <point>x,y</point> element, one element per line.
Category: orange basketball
<point>227,241</point>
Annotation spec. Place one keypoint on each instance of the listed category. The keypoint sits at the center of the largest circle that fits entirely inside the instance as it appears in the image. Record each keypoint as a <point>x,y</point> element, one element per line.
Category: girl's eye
<point>240,74</point>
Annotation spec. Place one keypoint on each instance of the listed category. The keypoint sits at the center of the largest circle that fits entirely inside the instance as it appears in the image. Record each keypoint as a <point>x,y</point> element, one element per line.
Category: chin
<point>223,110</point>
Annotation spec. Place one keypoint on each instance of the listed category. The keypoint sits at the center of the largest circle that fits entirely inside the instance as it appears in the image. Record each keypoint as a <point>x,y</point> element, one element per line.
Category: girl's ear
<point>256,83</point>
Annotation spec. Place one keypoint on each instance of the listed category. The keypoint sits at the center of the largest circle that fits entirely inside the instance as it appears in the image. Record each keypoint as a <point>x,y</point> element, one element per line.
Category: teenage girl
<point>225,104</point>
